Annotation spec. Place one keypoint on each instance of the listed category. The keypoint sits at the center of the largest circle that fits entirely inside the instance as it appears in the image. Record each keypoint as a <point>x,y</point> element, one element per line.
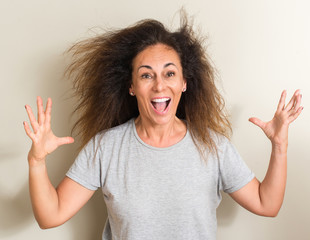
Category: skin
<point>157,73</point>
<point>51,207</point>
<point>266,197</point>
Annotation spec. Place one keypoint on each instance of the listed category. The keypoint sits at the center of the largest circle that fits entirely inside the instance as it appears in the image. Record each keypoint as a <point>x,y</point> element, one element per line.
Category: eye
<point>170,74</point>
<point>146,76</point>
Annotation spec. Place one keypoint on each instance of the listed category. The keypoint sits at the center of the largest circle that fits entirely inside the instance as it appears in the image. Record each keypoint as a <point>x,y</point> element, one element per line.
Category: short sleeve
<point>86,170</point>
<point>234,173</point>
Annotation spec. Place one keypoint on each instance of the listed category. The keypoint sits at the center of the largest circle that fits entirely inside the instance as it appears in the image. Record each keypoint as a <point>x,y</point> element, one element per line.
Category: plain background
<point>258,47</point>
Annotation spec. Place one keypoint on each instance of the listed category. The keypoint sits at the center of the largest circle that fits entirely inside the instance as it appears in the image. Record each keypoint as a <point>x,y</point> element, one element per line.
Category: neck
<point>161,135</point>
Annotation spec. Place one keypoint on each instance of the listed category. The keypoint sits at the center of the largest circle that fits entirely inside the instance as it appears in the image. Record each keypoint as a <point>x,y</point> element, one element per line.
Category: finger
<point>41,115</point>
<point>257,122</point>
<point>282,101</point>
<point>297,103</point>
<point>65,140</point>
<point>33,121</point>
<point>291,103</point>
<point>48,111</point>
<point>295,115</point>
<point>28,131</point>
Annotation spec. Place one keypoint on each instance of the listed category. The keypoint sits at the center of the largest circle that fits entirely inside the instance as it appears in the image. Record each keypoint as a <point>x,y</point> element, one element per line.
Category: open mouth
<point>161,104</point>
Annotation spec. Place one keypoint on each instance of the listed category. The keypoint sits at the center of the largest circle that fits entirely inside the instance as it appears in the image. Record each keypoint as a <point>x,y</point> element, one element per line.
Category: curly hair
<point>101,70</point>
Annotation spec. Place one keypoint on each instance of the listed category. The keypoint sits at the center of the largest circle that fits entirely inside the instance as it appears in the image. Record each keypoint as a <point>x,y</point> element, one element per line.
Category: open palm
<point>43,139</point>
<point>277,129</point>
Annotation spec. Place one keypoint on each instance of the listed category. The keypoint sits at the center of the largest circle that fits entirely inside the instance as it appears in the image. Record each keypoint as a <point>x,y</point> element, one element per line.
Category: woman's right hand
<point>43,139</point>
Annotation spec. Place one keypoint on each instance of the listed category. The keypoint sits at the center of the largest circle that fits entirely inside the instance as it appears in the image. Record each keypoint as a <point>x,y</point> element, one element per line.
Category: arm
<point>51,206</point>
<point>266,197</point>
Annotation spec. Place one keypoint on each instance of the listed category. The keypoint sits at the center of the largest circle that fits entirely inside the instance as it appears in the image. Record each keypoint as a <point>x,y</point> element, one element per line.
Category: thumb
<point>65,140</point>
<point>257,122</point>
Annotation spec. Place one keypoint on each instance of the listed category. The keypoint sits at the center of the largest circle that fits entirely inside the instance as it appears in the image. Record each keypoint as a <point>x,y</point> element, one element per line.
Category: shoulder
<point>108,141</point>
<point>117,130</point>
<point>226,150</point>
<point>113,135</point>
<point>223,146</point>
<point>219,140</point>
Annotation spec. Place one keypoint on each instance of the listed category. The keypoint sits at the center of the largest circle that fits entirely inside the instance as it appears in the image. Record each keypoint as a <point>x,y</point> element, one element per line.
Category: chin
<point>163,119</point>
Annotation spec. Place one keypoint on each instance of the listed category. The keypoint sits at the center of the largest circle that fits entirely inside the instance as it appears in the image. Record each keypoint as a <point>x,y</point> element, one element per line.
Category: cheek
<point>179,86</point>
<point>142,96</point>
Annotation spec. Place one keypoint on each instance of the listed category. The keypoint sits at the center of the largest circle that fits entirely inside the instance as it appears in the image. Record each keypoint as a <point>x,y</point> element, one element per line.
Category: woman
<point>154,139</point>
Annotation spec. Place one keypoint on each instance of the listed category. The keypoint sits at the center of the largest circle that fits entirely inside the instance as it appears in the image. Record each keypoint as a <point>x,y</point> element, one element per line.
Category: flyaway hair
<point>101,71</point>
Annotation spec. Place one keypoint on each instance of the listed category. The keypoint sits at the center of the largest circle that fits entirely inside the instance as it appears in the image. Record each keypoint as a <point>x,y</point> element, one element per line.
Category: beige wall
<point>259,48</point>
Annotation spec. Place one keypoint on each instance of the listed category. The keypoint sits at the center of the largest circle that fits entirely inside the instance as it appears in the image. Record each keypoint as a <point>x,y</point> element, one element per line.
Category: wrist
<point>35,162</point>
<point>280,147</point>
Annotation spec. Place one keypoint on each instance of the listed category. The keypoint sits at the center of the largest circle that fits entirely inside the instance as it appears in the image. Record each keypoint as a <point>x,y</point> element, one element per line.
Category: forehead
<point>158,54</point>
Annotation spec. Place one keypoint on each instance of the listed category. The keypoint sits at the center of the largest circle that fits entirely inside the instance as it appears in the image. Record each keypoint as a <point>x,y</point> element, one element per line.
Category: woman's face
<point>157,82</point>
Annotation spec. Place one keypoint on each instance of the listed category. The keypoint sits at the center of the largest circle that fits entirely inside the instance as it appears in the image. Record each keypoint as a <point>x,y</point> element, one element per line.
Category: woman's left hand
<point>265,198</point>
<point>277,129</point>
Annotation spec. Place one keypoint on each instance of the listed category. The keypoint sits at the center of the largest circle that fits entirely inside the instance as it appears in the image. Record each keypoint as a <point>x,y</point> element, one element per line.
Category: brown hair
<point>102,68</point>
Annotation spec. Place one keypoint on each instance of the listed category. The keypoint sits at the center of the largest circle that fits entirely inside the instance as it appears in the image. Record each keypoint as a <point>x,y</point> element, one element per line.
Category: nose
<point>159,84</point>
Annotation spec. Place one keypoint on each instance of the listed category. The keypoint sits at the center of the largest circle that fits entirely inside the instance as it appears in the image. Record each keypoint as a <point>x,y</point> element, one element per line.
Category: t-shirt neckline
<point>157,148</point>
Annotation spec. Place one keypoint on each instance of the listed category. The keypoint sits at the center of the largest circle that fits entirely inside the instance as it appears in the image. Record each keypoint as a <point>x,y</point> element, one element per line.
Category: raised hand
<point>43,139</point>
<point>277,129</point>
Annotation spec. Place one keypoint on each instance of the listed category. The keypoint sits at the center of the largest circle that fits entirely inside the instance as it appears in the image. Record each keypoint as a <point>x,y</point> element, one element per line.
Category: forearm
<point>272,188</point>
<point>266,198</point>
<point>51,207</point>
<point>43,195</point>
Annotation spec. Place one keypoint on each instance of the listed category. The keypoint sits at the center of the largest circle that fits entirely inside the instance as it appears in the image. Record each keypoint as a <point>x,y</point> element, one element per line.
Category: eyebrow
<point>149,67</point>
<point>145,66</point>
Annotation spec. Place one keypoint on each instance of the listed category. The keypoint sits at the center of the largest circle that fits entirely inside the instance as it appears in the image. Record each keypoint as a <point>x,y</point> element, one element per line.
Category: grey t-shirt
<point>158,193</point>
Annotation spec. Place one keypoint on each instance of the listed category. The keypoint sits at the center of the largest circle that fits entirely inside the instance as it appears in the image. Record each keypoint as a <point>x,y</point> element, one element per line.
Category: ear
<point>131,91</point>
<point>184,84</point>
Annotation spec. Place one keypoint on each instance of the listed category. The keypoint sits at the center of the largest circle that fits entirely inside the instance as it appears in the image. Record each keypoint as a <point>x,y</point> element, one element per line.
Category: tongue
<point>160,106</point>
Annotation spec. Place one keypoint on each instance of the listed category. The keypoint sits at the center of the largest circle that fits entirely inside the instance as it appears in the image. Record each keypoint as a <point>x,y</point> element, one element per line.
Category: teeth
<point>158,100</point>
